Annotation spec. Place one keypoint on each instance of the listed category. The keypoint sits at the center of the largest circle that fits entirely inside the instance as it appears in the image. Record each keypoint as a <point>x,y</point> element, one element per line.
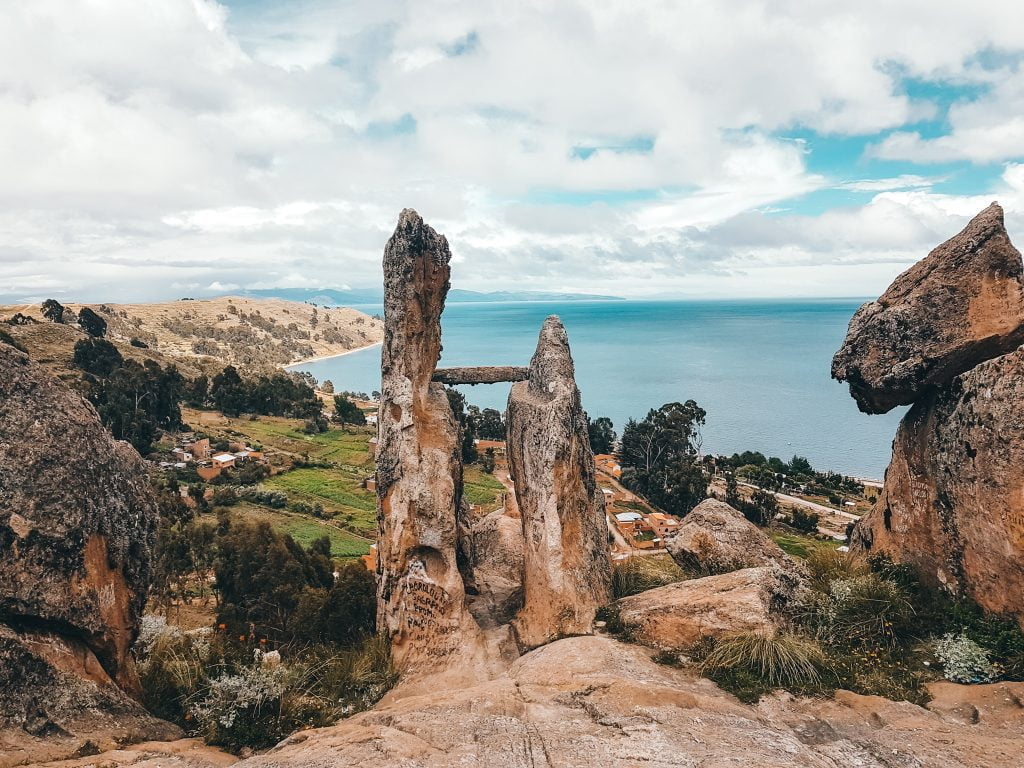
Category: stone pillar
<point>567,559</point>
<point>421,597</point>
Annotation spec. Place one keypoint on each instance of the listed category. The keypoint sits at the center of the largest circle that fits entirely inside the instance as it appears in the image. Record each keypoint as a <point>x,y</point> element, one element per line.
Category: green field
<point>305,530</point>
<point>339,491</point>
<point>481,488</point>
<point>798,545</point>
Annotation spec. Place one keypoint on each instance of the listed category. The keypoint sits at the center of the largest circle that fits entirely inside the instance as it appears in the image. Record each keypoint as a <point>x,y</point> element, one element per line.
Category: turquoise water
<point>759,368</point>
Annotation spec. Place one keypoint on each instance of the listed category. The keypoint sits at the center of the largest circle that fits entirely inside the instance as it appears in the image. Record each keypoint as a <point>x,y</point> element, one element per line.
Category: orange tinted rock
<point>960,305</point>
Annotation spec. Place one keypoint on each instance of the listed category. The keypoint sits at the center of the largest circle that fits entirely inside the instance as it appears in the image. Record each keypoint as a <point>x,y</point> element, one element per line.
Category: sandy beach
<point>329,357</point>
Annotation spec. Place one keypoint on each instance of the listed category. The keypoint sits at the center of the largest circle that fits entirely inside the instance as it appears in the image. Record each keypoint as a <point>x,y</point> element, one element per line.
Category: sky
<point>691,149</point>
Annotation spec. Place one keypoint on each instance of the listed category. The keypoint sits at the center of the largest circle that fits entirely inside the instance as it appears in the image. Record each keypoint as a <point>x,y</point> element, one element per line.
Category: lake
<point>759,368</point>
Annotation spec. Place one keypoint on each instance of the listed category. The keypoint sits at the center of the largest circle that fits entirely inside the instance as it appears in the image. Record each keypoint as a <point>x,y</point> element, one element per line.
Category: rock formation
<point>421,596</point>
<point>960,305</point>
<point>715,538</point>
<point>679,615</point>
<point>593,701</point>
<point>77,523</point>
<point>953,501</point>
<point>942,335</point>
<point>567,569</point>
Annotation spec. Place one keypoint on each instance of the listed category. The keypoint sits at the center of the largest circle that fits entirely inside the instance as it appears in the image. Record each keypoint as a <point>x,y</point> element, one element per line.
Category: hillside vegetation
<point>236,330</point>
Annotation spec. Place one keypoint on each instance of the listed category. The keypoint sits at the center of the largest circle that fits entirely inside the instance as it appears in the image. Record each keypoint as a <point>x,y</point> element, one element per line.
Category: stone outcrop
<point>959,306</point>
<point>421,594</point>
<point>567,566</point>
<point>944,336</point>
<point>953,501</point>
<point>77,524</point>
<point>593,701</point>
<point>482,374</point>
<point>679,615</point>
<point>716,538</point>
<point>497,552</point>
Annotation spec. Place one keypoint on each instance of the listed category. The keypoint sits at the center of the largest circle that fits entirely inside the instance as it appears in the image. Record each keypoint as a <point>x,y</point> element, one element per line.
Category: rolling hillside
<point>198,334</point>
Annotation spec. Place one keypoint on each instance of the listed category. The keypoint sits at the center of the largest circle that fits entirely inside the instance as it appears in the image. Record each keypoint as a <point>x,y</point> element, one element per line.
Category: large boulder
<point>593,701</point>
<point>421,594</point>
<point>716,538</point>
<point>959,306</point>
<point>567,563</point>
<point>680,614</point>
<point>77,523</point>
<point>953,501</point>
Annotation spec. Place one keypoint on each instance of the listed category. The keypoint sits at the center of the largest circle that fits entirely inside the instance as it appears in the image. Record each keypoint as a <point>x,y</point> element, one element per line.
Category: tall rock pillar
<point>567,573</point>
<point>421,597</point>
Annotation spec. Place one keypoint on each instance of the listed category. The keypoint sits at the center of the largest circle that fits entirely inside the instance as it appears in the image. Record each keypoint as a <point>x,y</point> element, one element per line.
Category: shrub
<point>804,520</point>
<point>963,660</point>
<point>827,565</point>
<point>781,659</point>
<point>867,607</point>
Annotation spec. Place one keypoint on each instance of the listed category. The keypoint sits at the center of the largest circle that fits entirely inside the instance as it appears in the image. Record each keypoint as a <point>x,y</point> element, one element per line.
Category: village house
<point>370,483</point>
<point>370,559</point>
<point>663,525</point>
<point>200,449</point>
<point>223,460</point>
<point>497,445</point>
<point>607,463</point>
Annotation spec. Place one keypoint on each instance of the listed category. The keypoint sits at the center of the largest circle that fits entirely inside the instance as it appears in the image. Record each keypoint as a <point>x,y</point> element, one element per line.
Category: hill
<point>199,334</point>
<point>333,296</point>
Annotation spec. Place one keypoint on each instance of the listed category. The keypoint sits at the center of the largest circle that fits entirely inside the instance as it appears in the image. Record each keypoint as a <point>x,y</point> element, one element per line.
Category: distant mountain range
<point>339,297</point>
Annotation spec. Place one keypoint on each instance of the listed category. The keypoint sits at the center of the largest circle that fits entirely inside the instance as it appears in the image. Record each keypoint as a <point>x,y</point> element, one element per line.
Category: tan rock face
<point>953,502</point>
<point>77,524</point>
<point>715,538</point>
<point>678,615</point>
<point>567,565</point>
<point>959,306</point>
<point>77,516</point>
<point>421,596</point>
<point>592,701</point>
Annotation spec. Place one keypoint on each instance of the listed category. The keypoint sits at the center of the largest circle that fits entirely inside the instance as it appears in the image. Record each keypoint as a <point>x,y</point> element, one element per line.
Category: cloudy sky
<point>163,148</point>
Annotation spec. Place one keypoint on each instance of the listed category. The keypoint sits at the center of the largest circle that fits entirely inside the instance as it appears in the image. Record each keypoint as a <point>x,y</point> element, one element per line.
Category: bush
<point>963,660</point>
<point>866,608</point>
<point>804,520</point>
<point>827,565</point>
<point>779,660</point>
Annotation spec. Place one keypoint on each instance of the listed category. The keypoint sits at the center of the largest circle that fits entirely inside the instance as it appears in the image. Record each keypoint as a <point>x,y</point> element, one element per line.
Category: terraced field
<point>338,490</point>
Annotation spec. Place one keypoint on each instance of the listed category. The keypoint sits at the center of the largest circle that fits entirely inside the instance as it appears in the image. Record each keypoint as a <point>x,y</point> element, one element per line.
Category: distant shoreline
<point>308,360</point>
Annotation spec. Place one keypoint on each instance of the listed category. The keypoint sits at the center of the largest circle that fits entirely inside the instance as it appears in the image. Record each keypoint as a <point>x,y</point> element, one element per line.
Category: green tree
<point>602,434</point>
<point>490,426</point>
<point>347,412</point>
<point>487,461</point>
<point>467,424</point>
<point>799,465</point>
<point>228,392</point>
<point>659,456</point>
<point>92,323</point>
<point>53,311</point>
<point>96,356</point>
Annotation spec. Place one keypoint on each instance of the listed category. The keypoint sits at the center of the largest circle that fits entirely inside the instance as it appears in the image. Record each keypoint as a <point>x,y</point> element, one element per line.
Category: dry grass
<point>781,660</point>
<point>172,329</point>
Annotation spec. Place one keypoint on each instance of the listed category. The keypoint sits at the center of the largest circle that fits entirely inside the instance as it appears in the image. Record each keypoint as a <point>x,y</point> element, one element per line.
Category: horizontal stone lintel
<point>482,374</point>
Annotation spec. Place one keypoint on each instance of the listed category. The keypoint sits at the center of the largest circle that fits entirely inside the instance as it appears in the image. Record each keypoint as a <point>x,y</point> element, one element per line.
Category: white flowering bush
<point>963,660</point>
<point>252,692</point>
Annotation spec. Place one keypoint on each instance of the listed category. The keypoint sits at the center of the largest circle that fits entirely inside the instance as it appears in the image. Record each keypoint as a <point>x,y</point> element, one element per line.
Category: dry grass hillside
<point>207,332</point>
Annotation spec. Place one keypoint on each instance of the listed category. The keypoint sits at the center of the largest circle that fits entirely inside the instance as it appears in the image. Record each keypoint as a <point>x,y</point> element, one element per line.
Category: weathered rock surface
<point>77,522</point>
<point>592,701</point>
<point>567,566</point>
<point>959,306</point>
<point>716,538</point>
<point>953,501</point>
<point>497,551</point>
<point>421,594</point>
<point>680,614</point>
<point>182,753</point>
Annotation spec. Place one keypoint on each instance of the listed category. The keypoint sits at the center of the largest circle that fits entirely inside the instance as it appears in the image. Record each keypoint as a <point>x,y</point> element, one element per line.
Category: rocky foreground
<point>594,701</point>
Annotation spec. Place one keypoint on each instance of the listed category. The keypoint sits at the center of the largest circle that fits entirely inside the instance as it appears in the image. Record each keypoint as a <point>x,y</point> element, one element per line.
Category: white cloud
<point>179,145</point>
